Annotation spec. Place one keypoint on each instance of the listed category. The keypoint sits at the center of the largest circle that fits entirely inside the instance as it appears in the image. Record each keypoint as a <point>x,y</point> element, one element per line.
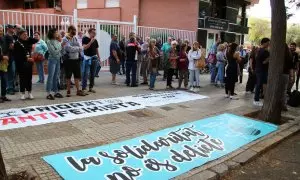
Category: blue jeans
<point>212,70</point>
<point>11,75</point>
<point>88,71</point>
<point>40,70</point>
<point>152,79</point>
<point>53,75</point>
<point>3,78</point>
<point>220,74</point>
<point>98,68</point>
<point>131,66</point>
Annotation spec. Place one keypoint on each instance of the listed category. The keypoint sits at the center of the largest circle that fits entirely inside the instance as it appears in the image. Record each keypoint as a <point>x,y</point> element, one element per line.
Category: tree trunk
<point>272,108</point>
<point>3,175</point>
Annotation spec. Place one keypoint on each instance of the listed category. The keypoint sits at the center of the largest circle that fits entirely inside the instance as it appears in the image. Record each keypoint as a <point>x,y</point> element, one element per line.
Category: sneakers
<point>234,98</point>
<point>227,96</point>
<point>257,103</point>
<point>114,83</point>
<point>23,97</point>
<point>191,88</point>
<point>30,96</point>
<point>196,89</point>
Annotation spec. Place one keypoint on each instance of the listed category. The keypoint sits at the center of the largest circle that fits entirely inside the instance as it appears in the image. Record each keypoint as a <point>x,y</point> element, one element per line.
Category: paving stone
<point>267,143</point>
<point>244,156</point>
<point>220,169</point>
<point>232,164</point>
<point>204,175</point>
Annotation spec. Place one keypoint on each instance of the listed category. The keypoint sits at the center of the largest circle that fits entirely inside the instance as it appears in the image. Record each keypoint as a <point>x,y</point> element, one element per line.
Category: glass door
<point>212,37</point>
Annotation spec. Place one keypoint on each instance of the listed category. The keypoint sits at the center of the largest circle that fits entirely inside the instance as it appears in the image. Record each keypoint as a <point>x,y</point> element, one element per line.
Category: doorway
<point>212,37</point>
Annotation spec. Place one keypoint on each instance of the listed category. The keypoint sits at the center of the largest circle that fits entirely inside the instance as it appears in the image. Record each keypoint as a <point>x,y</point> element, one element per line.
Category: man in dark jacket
<point>132,48</point>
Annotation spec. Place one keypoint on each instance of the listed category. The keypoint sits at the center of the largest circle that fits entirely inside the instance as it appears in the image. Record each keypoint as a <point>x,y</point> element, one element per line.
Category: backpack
<point>294,99</point>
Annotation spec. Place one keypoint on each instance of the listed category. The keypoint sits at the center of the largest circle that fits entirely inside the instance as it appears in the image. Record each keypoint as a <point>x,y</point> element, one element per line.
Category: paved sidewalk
<point>23,148</point>
<point>281,162</point>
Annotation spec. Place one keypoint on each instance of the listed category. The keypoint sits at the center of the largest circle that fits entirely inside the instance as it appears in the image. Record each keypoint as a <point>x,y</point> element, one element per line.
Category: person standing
<point>166,51</point>
<point>183,64</point>
<point>132,48</point>
<point>220,66</point>
<point>171,64</point>
<point>122,58</point>
<point>3,69</point>
<point>55,53</point>
<point>62,74</point>
<point>231,76</point>
<point>8,47</point>
<point>160,60</point>
<point>145,62</point>
<point>72,50</point>
<point>194,55</point>
<point>261,69</point>
<point>114,58</point>
<point>294,70</point>
<point>138,58</point>
<point>251,77</point>
<point>40,49</point>
<point>212,60</point>
<point>24,62</point>
<point>91,58</point>
<point>243,61</point>
<point>153,56</point>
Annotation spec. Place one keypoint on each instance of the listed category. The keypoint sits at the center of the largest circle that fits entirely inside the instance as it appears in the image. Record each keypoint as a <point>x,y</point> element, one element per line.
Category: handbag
<point>37,57</point>
<point>200,63</point>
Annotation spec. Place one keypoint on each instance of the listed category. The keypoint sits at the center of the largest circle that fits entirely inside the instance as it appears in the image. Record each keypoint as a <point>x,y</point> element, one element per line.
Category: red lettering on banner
<point>42,115</point>
<point>23,119</point>
<point>6,121</point>
<point>54,115</point>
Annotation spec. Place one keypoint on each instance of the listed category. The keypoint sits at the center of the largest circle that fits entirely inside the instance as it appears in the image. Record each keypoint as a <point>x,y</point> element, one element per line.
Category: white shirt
<point>192,56</point>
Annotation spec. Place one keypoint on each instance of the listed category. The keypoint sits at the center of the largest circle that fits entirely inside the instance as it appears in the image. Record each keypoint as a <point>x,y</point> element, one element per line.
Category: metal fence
<point>42,22</point>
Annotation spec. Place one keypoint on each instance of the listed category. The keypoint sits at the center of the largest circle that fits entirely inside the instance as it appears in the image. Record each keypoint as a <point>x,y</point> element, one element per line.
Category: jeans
<point>220,73</point>
<point>11,75</point>
<point>194,74</point>
<point>98,68</point>
<point>152,79</point>
<point>212,70</point>
<point>89,71</point>
<point>53,74</point>
<point>40,70</point>
<point>3,78</point>
<point>131,66</point>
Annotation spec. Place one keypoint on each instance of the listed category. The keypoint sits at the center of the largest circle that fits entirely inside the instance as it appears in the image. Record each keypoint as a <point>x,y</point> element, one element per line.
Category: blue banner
<point>163,154</point>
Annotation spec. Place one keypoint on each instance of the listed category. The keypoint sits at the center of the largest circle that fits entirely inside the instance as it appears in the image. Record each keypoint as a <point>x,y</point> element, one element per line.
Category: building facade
<point>211,19</point>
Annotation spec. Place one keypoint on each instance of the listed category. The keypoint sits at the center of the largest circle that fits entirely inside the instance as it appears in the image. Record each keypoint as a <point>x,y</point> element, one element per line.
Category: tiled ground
<point>23,148</point>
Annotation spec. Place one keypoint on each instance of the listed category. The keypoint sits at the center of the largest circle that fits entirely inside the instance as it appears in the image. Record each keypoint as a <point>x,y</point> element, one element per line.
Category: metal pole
<point>135,24</point>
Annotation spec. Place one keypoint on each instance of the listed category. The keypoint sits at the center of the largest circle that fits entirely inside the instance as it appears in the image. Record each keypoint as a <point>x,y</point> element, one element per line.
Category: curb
<point>216,169</point>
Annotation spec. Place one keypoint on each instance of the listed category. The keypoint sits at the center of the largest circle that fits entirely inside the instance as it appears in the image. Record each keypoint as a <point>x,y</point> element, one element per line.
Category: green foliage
<point>258,29</point>
<point>293,34</point>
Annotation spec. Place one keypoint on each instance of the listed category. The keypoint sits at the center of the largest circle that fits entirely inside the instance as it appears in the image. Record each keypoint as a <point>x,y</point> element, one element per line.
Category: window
<point>81,4</point>
<point>112,3</point>
<point>29,4</point>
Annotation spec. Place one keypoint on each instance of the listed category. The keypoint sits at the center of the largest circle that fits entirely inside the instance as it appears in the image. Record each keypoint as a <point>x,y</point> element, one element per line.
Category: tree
<point>293,34</point>
<point>258,29</point>
<point>272,108</point>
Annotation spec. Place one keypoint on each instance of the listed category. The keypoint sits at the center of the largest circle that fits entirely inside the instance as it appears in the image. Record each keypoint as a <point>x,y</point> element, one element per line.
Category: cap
<point>10,26</point>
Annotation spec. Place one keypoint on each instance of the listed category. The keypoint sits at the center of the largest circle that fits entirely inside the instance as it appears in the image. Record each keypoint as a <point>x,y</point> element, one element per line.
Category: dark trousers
<point>3,78</point>
<point>122,65</point>
<point>170,73</point>
<point>229,85</point>
<point>183,77</point>
<point>241,64</point>
<point>297,81</point>
<point>251,82</point>
<point>259,86</point>
<point>131,66</point>
<point>26,77</point>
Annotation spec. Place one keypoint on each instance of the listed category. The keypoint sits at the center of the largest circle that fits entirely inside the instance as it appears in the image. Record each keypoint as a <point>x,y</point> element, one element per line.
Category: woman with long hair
<point>24,62</point>
<point>220,65</point>
<point>153,59</point>
<point>40,49</point>
<point>233,58</point>
<point>183,64</point>
<point>55,50</point>
<point>194,56</point>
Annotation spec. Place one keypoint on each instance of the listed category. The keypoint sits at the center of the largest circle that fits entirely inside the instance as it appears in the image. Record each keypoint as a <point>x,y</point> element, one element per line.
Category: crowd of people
<point>72,54</point>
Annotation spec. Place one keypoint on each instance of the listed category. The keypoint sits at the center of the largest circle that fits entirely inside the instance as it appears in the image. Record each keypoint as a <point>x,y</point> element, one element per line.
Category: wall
<point>113,14</point>
<point>68,6</point>
<point>96,3</point>
<point>176,14</point>
<point>129,8</point>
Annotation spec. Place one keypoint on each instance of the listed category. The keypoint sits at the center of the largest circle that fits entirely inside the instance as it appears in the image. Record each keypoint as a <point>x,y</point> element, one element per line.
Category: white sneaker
<point>257,103</point>
<point>192,88</point>
<point>227,96</point>
<point>30,96</point>
<point>23,97</point>
<point>234,98</point>
<point>196,89</point>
